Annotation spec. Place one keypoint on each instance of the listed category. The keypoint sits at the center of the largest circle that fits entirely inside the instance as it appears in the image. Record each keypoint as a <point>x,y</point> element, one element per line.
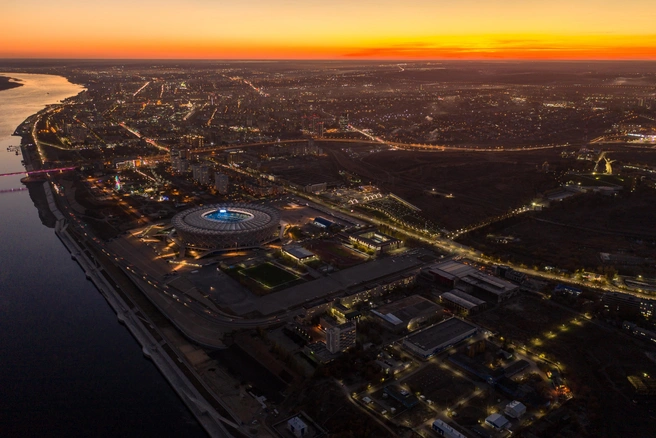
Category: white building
<point>297,427</point>
<point>444,429</point>
<point>515,409</point>
<point>497,421</point>
<point>341,337</point>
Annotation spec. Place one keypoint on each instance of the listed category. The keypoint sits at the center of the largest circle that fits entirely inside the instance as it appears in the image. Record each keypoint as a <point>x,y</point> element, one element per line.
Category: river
<point>67,368</point>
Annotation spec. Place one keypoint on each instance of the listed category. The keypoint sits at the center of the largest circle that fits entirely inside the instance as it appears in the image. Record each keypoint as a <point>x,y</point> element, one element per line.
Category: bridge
<point>16,189</point>
<point>36,172</point>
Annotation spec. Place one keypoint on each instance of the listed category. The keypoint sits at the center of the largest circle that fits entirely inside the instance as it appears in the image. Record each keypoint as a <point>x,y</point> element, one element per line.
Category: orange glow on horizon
<point>626,48</point>
<point>341,29</point>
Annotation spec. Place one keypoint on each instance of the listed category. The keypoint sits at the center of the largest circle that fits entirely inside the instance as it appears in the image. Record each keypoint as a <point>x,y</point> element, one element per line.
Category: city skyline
<point>287,29</point>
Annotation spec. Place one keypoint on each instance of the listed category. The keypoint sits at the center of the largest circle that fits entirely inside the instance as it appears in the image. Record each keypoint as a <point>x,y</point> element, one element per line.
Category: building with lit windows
<point>341,337</point>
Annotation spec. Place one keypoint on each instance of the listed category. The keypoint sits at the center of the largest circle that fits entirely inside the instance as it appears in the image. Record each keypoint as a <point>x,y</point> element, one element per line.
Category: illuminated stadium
<point>227,226</point>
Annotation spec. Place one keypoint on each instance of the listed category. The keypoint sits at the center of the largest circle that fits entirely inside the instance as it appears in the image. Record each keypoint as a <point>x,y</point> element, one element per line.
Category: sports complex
<point>227,226</point>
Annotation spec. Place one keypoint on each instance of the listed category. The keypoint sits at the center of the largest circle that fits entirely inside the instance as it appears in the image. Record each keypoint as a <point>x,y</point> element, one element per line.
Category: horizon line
<point>483,59</point>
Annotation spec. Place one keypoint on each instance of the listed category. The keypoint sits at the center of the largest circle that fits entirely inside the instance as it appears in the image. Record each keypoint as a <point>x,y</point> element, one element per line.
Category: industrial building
<point>315,188</point>
<point>490,375</point>
<point>390,365</point>
<point>455,275</point>
<point>497,421</point>
<point>516,367</point>
<point>639,332</point>
<point>375,241</point>
<point>462,302</point>
<point>406,398</point>
<point>618,304</point>
<point>510,274</point>
<point>407,313</point>
<point>448,272</point>
<point>350,286</point>
<point>438,337</point>
<point>643,386</point>
<point>487,287</point>
<point>227,226</point>
<point>445,430</point>
<point>297,427</point>
<point>515,409</point>
<point>299,254</point>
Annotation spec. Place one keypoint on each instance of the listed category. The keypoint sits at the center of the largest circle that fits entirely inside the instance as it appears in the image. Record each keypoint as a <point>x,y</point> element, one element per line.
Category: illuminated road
<point>140,89</point>
<point>16,189</point>
<point>455,248</point>
<point>146,139</point>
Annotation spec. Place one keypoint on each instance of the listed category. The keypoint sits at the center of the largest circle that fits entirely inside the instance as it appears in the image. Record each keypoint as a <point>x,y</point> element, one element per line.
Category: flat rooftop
<point>439,334</point>
<point>489,283</point>
<point>374,237</point>
<point>467,297</point>
<point>453,268</point>
<point>408,308</point>
<point>298,251</point>
<point>339,281</point>
<point>458,300</point>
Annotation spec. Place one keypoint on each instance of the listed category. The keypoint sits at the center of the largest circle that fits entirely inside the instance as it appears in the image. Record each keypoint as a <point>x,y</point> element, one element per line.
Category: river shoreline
<point>7,83</point>
<point>63,337</point>
<point>153,343</point>
<point>202,403</point>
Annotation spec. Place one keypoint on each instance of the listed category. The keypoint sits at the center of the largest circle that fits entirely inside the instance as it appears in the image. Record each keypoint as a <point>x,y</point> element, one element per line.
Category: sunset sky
<point>335,29</point>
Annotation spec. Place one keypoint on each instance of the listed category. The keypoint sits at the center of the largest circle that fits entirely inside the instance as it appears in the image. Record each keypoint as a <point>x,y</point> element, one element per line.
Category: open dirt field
<point>483,184</point>
<point>572,233</point>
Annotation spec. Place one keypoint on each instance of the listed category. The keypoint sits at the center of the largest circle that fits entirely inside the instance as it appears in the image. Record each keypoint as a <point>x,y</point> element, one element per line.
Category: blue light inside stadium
<point>223,215</point>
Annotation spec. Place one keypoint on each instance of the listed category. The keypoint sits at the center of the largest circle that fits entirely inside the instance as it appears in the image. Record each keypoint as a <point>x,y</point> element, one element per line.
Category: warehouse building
<point>444,429</point>
<point>403,396</point>
<point>299,254</point>
<point>407,313</point>
<point>497,421</point>
<point>456,275</point>
<point>438,337</point>
<point>515,409</point>
<point>462,302</point>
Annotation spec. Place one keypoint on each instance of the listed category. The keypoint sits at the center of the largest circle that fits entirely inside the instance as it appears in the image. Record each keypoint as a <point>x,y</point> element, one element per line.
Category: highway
<point>454,248</point>
<point>146,139</point>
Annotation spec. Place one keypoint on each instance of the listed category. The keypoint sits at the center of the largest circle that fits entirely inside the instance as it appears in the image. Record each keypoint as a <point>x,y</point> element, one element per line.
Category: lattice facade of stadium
<point>227,226</point>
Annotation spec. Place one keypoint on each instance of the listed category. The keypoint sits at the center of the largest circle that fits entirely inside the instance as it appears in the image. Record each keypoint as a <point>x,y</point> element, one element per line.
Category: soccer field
<point>269,275</point>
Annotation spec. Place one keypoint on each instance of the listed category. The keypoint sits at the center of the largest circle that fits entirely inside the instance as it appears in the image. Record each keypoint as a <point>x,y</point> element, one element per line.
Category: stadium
<point>227,226</point>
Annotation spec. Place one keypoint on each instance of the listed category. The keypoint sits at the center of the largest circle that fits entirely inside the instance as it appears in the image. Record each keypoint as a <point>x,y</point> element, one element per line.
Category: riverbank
<point>72,369</point>
<point>154,344</point>
<point>7,83</point>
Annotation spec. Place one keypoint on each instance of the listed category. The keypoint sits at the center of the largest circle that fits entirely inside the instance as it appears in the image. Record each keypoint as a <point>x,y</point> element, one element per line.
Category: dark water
<point>67,368</point>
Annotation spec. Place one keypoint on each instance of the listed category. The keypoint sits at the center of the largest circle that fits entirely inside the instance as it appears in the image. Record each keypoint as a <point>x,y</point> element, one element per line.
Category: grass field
<point>269,275</point>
